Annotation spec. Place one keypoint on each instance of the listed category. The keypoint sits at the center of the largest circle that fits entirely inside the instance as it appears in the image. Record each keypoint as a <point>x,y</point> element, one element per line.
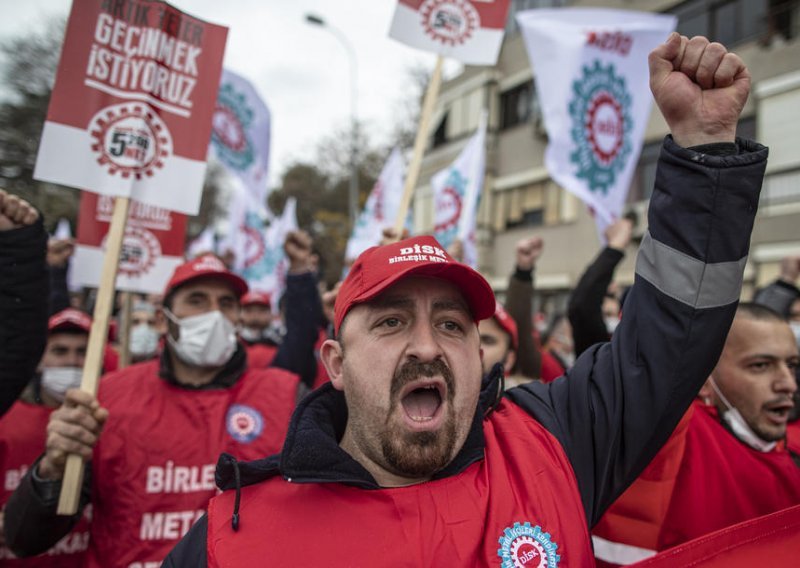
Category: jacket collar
<point>311,452</point>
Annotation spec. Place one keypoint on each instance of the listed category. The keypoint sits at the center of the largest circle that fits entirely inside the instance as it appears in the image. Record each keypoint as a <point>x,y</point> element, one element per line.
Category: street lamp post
<point>353,190</point>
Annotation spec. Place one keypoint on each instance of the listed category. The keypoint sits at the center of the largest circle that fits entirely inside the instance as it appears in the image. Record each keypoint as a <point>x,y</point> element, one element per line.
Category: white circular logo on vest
<point>523,546</point>
<point>244,423</point>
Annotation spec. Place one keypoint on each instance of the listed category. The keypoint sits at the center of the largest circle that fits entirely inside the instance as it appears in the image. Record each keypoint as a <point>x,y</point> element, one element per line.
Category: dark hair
<point>759,312</point>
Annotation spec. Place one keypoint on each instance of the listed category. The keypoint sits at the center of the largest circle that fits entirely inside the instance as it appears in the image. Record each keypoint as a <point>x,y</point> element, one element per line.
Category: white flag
<point>468,30</point>
<point>240,134</point>
<point>381,207</point>
<point>202,243</point>
<point>593,83</point>
<point>264,264</point>
<point>456,193</point>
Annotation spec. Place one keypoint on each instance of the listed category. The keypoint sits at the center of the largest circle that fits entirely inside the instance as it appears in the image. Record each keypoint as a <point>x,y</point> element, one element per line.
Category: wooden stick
<point>125,330</point>
<point>73,472</point>
<point>419,146</point>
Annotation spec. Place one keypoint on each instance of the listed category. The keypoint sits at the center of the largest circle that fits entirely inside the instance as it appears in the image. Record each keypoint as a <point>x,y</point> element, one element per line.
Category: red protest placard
<point>131,109</point>
<point>468,30</point>
<point>151,249</point>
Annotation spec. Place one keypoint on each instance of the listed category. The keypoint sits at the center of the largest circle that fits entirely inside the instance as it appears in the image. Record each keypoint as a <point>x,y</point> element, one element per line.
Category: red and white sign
<point>151,249</point>
<point>131,109</point>
<point>468,30</point>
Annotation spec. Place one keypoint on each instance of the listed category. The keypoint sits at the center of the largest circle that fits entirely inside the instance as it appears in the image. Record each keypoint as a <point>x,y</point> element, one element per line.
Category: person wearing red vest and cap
<point>727,462</point>
<point>409,457</point>
<point>499,342</point>
<point>164,423</point>
<point>23,430</point>
<point>256,329</point>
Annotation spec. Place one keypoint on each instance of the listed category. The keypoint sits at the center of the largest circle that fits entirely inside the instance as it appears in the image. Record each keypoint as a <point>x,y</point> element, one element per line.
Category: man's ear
<point>511,359</point>
<point>707,394</point>
<point>332,357</point>
<point>161,322</point>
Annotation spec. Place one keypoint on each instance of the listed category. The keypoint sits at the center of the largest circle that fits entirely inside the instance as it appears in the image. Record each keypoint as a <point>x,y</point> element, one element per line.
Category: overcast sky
<point>301,71</point>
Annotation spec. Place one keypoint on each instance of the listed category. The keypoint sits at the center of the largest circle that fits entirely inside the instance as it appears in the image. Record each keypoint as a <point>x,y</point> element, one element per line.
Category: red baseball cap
<point>69,319</point>
<point>377,268</point>
<point>205,266</point>
<point>255,297</point>
<point>508,324</point>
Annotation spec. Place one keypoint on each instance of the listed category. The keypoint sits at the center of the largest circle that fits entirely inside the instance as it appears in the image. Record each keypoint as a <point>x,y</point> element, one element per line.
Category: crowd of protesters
<point>407,417</point>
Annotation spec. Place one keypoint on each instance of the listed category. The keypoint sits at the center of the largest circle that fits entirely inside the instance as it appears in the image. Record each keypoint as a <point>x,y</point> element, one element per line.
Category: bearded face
<point>410,367</point>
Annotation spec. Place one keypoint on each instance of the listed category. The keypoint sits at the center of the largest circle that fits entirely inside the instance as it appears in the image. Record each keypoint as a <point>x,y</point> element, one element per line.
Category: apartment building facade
<point>519,197</point>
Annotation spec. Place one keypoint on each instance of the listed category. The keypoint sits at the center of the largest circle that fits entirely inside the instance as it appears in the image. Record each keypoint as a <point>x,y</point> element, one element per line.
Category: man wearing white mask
<point>727,462</point>
<point>164,423</point>
<point>23,430</point>
<point>144,336</point>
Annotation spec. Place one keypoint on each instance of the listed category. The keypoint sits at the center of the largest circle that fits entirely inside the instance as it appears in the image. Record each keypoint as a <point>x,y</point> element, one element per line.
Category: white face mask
<point>739,426</point>
<point>205,340</point>
<point>144,340</point>
<point>250,334</point>
<point>611,324</point>
<point>56,381</point>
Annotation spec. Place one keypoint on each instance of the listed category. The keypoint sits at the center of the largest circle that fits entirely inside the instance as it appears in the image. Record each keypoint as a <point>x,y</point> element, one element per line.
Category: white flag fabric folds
<point>381,207</point>
<point>456,193</point>
<point>468,30</point>
<point>240,134</point>
<point>202,243</point>
<point>261,260</point>
<point>592,81</point>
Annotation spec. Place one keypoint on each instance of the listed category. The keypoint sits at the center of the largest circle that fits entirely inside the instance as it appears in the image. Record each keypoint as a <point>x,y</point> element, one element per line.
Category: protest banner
<point>470,31</point>
<point>592,81</point>
<point>130,118</point>
<point>456,195</point>
<point>240,134</point>
<point>152,246</point>
<point>381,206</point>
<point>130,114</point>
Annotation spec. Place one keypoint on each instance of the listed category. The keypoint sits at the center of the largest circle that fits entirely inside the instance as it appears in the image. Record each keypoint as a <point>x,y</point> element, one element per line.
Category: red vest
<point>259,356</point>
<point>793,436</point>
<point>23,431</point>
<point>153,468</point>
<point>519,506</point>
<point>710,481</point>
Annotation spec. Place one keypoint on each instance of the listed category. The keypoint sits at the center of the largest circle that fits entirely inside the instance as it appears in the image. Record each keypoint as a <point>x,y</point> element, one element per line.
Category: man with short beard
<point>727,462</point>
<point>410,458</point>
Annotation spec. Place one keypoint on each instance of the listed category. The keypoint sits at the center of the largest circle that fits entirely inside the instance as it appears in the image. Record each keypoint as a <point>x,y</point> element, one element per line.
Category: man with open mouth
<point>727,462</point>
<point>410,457</point>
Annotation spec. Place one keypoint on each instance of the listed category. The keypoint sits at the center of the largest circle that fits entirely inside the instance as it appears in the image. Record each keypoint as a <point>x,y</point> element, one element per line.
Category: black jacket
<point>621,400</point>
<point>23,308</point>
<point>586,301</point>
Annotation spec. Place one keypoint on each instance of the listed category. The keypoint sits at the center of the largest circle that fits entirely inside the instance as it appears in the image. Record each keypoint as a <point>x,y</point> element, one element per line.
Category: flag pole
<point>73,472</point>
<point>428,102</point>
<point>125,330</point>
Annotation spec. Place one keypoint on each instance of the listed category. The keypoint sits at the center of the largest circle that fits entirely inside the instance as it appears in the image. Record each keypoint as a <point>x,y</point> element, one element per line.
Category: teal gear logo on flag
<point>448,206</point>
<point>601,126</point>
<point>261,261</point>
<point>523,546</point>
<point>229,129</point>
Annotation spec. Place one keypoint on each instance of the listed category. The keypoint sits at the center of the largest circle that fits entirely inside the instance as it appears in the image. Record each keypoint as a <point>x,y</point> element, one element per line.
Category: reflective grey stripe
<point>687,279</point>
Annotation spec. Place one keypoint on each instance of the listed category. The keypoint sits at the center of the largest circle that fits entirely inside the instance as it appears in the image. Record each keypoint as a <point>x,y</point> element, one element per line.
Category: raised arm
<point>620,402</point>
<point>23,291</point>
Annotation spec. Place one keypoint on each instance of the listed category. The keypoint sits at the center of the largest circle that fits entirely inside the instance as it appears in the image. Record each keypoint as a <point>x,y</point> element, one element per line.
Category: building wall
<point>518,187</point>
